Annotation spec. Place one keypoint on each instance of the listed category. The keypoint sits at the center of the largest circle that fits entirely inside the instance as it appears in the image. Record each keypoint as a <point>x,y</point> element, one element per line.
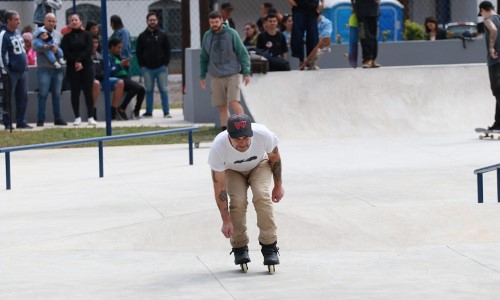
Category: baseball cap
<point>485,5</point>
<point>239,125</point>
<point>227,5</point>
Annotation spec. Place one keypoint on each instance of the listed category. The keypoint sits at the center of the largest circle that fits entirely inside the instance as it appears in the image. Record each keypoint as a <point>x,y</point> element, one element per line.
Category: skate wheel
<point>271,269</point>
<point>244,267</point>
<point>197,144</point>
<point>481,137</point>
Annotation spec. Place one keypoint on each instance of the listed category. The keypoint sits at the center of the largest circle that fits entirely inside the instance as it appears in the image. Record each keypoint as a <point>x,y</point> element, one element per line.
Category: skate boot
<point>270,253</point>
<point>241,257</point>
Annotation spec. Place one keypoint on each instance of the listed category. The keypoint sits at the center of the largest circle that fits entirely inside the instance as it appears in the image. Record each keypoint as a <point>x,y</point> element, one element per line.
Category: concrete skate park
<point>380,201</point>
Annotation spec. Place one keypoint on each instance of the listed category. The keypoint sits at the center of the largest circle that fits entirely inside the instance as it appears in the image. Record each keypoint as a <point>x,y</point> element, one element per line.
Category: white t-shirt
<point>223,156</point>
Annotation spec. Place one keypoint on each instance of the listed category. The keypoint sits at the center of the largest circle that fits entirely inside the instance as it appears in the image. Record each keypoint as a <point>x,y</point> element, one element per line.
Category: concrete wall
<point>197,106</point>
<point>390,100</point>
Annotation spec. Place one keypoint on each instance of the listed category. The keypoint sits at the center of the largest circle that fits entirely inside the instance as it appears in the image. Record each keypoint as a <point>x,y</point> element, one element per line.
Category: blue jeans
<point>49,81</point>
<point>19,94</point>
<point>161,76</point>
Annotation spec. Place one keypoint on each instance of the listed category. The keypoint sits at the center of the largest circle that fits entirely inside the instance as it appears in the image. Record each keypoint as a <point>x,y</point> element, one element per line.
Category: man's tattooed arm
<point>221,198</point>
<point>275,161</point>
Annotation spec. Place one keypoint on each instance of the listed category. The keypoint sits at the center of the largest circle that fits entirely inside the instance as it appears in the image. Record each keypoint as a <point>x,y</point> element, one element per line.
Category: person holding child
<point>50,78</point>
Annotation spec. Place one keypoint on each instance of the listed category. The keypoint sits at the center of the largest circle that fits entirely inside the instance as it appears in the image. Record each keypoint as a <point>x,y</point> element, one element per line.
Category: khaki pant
<point>225,89</point>
<point>237,183</point>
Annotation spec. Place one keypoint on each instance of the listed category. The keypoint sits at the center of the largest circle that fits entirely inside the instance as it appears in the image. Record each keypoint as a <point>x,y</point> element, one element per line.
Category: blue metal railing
<point>479,173</point>
<point>99,141</point>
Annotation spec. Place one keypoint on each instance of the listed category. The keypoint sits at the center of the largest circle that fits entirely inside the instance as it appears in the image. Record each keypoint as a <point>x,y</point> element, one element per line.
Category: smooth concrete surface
<point>385,215</point>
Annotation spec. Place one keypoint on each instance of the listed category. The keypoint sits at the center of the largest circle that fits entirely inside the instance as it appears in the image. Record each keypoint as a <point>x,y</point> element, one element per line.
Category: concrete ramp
<point>390,100</point>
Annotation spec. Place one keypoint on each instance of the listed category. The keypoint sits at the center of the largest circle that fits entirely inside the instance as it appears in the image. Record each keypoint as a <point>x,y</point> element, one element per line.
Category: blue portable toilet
<point>390,20</point>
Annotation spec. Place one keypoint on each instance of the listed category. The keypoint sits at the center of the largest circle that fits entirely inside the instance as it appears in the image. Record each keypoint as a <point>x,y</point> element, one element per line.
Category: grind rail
<point>479,173</point>
<point>100,141</point>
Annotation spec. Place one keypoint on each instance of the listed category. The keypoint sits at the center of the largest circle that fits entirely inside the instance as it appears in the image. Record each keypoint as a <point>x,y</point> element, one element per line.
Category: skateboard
<point>197,143</point>
<point>322,47</point>
<point>353,41</point>
<point>486,133</point>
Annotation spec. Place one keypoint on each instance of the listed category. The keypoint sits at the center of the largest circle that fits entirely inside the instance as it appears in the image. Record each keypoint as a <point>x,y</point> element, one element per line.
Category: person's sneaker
<point>23,126</point>
<point>61,61</point>
<point>136,115</point>
<point>122,114</point>
<point>39,123</point>
<point>9,127</point>
<point>375,64</point>
<point>60,122</point>
<point>77,121</point>
<point>92,121</point>
<point>167,115</point>
<point>147,115</point>
<point>57,65</point>
<point>367,63</point>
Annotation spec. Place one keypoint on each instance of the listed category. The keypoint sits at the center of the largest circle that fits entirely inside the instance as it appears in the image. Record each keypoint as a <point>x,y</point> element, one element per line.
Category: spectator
<point>273,45</point>
<point>13,58</point>
<point>264,10</point>
<point>43,7</point>
<point>367,12</point>
<point>491,26</point>
<point>45,40</point>
<point>286,28</point>
<point>30,53</point>
<point>305,23</point>
<point>153,55</point>
<point>27,28</point>
<point>93,28</point>
<point>224,63</point>
<point>246,155</point>
<point>432,30</point>
<point>225,10</point>
<point>121,33</point>
<point>325,27</point>
<point>50,79</point>
<point>77,48</point>
<point>118,68</point>
<point>116,85</point>
<point>251,33</point>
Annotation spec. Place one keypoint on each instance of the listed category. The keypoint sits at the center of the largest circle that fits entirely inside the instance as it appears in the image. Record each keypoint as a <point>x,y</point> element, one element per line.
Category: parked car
<point>457,29</point>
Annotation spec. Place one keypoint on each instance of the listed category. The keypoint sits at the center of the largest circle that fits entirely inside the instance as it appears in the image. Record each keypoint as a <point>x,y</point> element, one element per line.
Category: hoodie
<point>223,54</point>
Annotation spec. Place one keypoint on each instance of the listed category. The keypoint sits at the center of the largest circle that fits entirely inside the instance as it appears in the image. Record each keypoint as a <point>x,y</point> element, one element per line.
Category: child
<point>30,53</point>
<point>44,40</point>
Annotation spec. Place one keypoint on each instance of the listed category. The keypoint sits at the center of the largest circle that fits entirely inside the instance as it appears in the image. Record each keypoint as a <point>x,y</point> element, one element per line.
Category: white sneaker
<point>92,121</point>
<point>57,65</point>
<point>78,121</point>
<point>62,61</point>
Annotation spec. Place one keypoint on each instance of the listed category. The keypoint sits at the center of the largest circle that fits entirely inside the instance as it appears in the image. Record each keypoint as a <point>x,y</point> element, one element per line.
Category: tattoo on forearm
<point>276,169</point>
<point>223,196</point>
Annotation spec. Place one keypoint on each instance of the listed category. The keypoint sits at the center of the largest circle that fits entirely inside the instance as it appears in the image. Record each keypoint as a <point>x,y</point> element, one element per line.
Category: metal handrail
<point>479,173</point>
<point>99,140</point>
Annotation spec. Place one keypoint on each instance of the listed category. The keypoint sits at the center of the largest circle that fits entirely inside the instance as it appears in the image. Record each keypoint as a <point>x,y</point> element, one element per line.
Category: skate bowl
<point>390,100</point>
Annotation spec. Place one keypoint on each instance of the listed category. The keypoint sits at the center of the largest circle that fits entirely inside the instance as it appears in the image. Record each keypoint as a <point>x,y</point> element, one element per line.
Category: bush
<point>413,31</point>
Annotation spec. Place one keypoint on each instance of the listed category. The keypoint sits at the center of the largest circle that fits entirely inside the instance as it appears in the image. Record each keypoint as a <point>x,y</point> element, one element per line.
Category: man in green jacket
<point>223,56</point>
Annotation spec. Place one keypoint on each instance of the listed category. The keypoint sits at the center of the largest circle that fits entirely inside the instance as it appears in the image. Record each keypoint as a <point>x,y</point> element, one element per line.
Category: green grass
<point>18,137</point>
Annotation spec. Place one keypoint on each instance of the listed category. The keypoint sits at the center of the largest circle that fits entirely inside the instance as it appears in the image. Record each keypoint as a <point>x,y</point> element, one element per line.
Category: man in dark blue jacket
<point>13,59</point>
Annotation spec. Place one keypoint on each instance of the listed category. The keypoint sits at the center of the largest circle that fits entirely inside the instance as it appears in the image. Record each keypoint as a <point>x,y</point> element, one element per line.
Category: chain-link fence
<point>133,15</point>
